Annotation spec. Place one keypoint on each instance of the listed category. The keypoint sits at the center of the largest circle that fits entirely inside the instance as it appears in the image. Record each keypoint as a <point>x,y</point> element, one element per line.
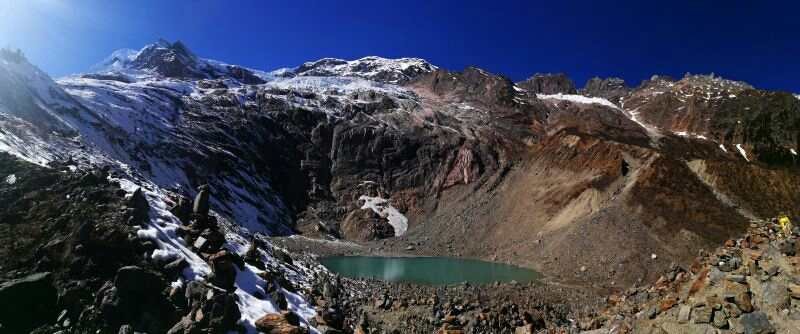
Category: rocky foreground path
<point>749,285</point>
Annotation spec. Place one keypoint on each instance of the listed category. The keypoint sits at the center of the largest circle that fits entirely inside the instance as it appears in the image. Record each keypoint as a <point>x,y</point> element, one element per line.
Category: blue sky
<point>754,41</point>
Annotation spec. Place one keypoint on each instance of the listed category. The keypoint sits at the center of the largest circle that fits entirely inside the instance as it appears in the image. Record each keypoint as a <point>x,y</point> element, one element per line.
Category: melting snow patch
<point>741,150</point>
<point>381,207</point>
<point>11,179</point>
<point>793,151</point>
<point>578,99</point>
<point>682,133</point>
<point>723,147</point>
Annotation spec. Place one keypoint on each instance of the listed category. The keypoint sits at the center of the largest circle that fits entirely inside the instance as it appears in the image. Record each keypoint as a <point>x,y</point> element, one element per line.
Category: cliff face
<point>549,83</point>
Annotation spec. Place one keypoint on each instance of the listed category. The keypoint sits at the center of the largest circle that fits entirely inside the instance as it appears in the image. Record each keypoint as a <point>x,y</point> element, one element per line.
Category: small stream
<point>427,270</point>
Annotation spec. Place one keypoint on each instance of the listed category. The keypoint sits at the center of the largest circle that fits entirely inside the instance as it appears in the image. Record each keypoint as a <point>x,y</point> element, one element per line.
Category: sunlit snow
<point>386,210</point>
<point>578,99</point>
<point>741,150</point>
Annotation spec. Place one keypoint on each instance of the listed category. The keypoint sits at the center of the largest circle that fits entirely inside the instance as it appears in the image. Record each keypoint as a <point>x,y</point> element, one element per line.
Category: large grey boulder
<point>754,323</point>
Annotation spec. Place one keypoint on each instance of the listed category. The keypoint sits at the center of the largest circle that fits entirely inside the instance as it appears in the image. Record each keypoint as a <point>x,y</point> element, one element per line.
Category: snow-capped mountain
<point>379,148</point>
<point>393,71</point>
<point>170,60</point>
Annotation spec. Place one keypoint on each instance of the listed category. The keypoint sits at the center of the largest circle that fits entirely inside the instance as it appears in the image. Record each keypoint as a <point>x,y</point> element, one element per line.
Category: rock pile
<point>213,305</point>
<point>750,285</point>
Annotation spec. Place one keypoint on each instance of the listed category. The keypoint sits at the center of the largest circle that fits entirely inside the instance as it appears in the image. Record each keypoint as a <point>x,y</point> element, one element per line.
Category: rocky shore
<point>749,285</point>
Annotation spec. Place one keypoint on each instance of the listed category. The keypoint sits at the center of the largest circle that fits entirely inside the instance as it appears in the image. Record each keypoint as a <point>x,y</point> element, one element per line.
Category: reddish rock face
<point>365,224</point>
<point>277,324</point>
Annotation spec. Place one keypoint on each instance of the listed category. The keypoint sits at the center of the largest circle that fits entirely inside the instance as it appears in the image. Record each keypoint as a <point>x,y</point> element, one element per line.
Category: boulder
<point>366,224</point>
<point>684,313</point>
<point>277,324</point>
<point>182,210</point>
<point>174,269</point>
<point>253,257</point>
<point>135,280</point>
<point>137,201</point>
<point>291,317</point>
<point>702,315</point>
<point>224,265</point>
<point>667,303</point>
<point>201,205</point>
<point>720,320</point>
<point>788,248</point>
<point>220,312</point>
<point>333,316</point>
<point>731,310</point>
<point>194,293</point>
<point>226,256</point>
<point>125,329</point>
<point>27,301</point>
<point>736,278</point>
<point>209,241</point>
<point>775,294</point>
<point>743,302</point>
<point>279,299</point>
<point>282,256</point>
<point>754,323</point>
<point>734,288</point>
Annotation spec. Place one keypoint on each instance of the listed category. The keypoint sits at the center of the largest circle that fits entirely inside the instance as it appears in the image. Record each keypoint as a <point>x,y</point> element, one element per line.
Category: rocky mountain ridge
<point>473,164</point>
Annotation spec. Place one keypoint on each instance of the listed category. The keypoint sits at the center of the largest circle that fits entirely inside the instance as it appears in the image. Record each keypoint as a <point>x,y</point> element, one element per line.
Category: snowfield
<point>577,99</point>
<point>382,207</point>
<point>742,151</point>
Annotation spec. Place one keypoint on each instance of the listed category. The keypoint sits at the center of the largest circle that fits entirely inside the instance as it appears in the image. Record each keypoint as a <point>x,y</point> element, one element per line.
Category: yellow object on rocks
<point>786,225</point>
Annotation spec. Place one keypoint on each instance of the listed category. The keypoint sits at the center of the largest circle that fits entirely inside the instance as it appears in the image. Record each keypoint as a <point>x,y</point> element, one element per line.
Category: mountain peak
<point>172,60</point>
<point>394,71</point>
<point>549,83</point>
<point>169,59</point>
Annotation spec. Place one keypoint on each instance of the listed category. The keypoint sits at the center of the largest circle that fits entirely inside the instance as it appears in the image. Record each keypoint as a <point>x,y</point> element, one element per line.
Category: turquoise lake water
<point>427,270</point>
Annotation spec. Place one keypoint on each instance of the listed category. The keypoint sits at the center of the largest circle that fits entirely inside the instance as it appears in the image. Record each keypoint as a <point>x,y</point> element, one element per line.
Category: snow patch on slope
<point>386,210</point>
<point>117,61</point>
<point>577,99</point>
<point>161,228</point>
<point>334,85</point>
<point>742,151</point>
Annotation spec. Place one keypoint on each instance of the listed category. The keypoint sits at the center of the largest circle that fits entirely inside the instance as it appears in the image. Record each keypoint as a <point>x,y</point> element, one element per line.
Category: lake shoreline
<point>403,304</point>
<point>428,270</point>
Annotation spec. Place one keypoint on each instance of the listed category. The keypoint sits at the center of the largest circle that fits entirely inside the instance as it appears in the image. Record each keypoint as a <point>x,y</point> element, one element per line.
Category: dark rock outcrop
<point>612,89</point>
<point>27,301</point>
<point>548,83</point>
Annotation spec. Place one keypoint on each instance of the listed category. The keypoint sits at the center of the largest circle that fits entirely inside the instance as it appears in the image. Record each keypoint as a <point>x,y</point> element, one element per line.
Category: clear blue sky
<point>755,41</point>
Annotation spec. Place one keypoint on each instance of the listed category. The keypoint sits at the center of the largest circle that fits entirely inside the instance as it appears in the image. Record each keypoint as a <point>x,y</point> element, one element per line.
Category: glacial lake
<point>427,270</point>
